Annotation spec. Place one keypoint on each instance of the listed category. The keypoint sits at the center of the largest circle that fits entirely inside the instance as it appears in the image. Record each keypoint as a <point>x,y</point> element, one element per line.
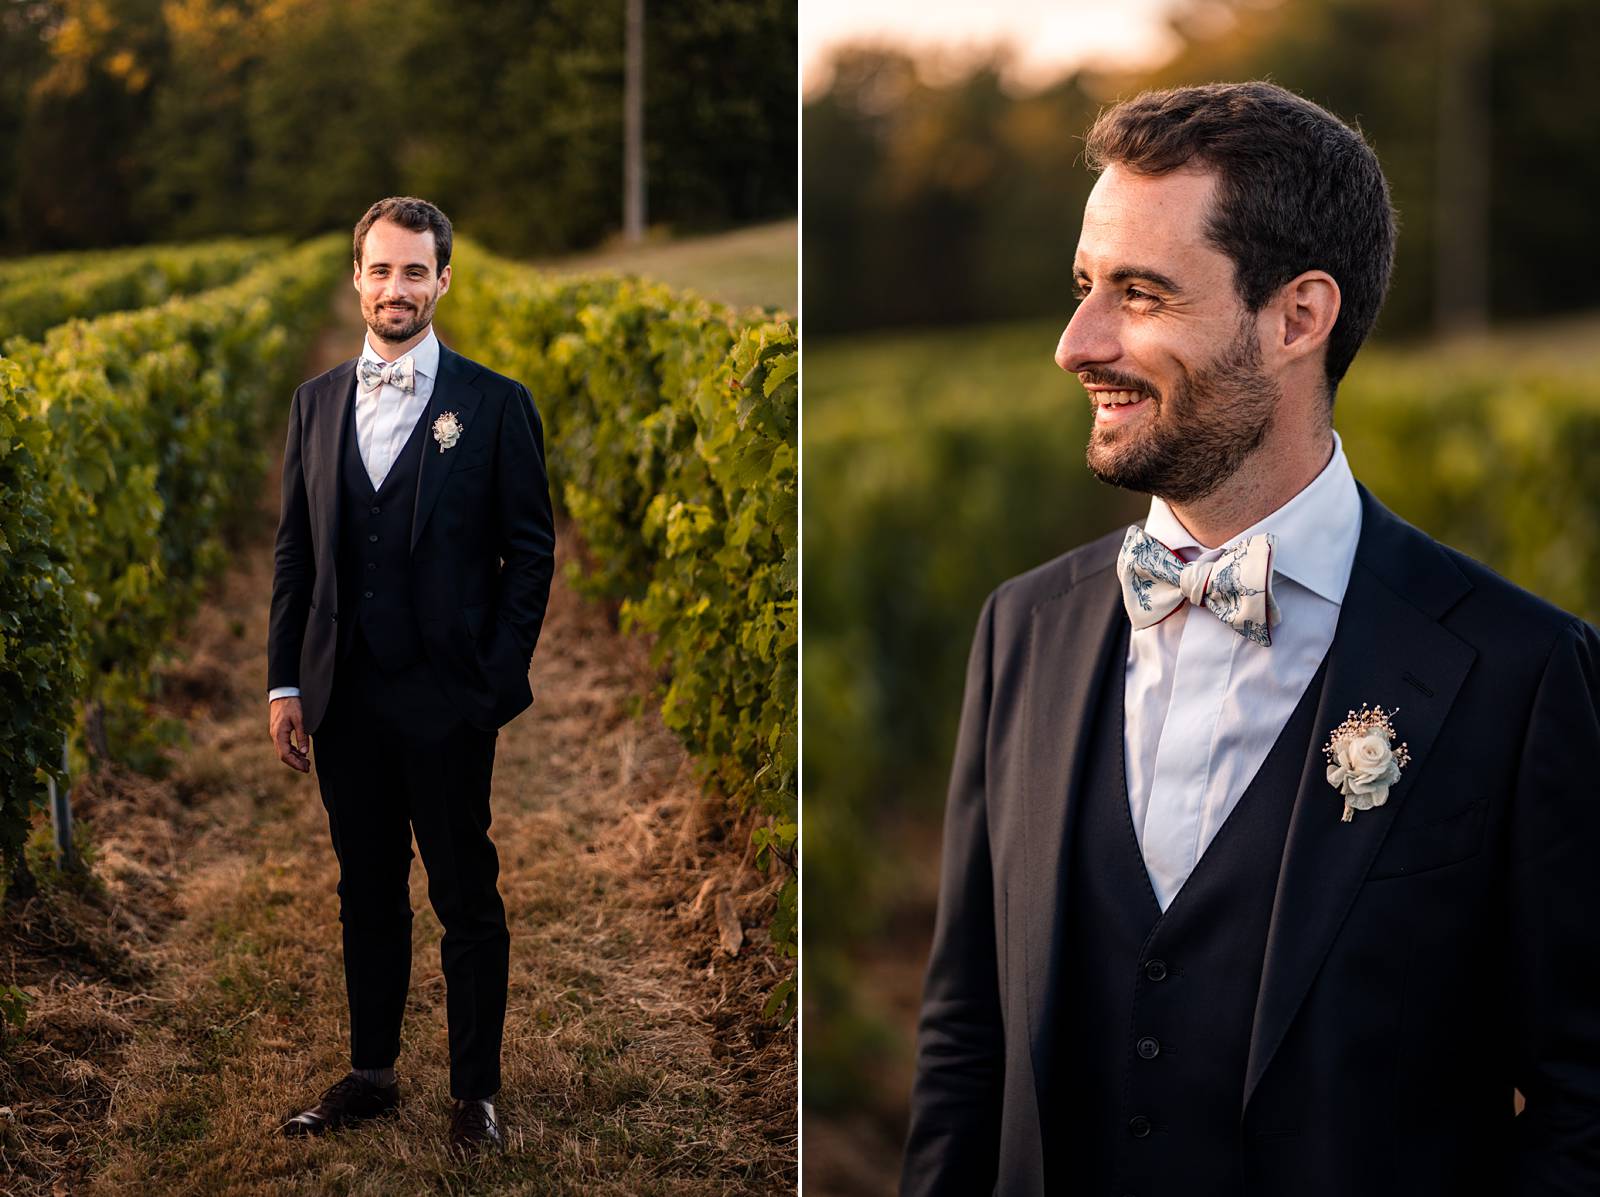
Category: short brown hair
<point>412,213</point>
<point>1298,190</point>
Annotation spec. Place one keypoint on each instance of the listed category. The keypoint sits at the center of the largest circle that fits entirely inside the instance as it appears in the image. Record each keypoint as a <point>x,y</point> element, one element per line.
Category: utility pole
<point>633,127</point>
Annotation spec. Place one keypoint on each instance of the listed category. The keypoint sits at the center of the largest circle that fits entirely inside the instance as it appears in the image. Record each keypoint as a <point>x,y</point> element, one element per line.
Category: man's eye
<point>1136,294</point>
<point>1080,290</point>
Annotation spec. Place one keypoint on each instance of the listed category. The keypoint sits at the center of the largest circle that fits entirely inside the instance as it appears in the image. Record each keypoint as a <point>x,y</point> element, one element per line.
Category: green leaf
<point>779,373</point>
<point>780,1004</point>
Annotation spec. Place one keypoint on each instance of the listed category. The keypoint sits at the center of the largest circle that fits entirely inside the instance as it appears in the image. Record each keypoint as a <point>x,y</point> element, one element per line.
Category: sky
<point>1048,37</point>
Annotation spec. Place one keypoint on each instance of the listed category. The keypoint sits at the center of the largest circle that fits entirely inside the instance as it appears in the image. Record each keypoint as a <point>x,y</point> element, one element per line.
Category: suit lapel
<point>1085,625</point>
<point>452,392</point>
<point>1388,650</point>
<point>332,413</point>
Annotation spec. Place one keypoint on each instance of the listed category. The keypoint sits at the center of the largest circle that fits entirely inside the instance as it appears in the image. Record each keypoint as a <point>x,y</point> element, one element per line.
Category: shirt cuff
<point>283,692</point>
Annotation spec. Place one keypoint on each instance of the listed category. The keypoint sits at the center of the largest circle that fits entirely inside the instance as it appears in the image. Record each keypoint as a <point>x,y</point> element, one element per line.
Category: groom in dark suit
<point>413,565</point>
<point>1273,825</point>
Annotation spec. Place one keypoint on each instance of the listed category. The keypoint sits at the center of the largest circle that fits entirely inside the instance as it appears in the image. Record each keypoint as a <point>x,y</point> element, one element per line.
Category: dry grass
<point>190,995</point>
<point>754,266</point>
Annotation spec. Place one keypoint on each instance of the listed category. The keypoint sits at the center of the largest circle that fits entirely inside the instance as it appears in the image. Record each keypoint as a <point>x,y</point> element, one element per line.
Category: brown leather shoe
<point>473,1129</point>
<point>347,1101</point>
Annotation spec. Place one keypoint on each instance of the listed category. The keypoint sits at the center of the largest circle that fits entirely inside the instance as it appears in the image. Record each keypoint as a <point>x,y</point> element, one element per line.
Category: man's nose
<point>1089,339</point>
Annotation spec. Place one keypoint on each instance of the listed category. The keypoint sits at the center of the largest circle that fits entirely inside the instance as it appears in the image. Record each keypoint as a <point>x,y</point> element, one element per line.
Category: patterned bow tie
<point>1236,588</point>
<point>401,374</point>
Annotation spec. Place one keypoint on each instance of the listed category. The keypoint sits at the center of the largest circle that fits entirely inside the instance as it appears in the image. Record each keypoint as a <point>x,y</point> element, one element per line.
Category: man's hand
<point>288,729</point>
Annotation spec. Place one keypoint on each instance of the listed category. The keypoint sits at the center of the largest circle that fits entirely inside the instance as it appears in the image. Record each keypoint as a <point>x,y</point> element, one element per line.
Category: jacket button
<point>1148,1048</point>
<point>1156,970</point>
<point>1139,1126</point>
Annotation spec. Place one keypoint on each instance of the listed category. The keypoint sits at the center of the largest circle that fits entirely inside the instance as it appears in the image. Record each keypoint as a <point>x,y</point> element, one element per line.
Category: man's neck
<point>1269,478</point>
<point>393,351</point>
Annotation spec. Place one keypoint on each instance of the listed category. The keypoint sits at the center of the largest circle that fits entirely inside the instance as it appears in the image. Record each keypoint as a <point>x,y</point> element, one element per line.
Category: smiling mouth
<point>1117,398</point>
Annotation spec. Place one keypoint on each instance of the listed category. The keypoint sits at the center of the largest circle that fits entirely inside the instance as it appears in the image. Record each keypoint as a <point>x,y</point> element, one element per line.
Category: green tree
<point>141,120</point>
<point>932,203</point>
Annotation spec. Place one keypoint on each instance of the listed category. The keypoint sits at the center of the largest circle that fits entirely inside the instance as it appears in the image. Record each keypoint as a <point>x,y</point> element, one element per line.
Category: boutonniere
<point>447,431</point>
<point>1363,759</point>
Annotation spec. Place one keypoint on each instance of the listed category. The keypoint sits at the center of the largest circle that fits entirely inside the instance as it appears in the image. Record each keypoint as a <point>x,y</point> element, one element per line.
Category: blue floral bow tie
<point>400,375</point>
<point>1236,588</point>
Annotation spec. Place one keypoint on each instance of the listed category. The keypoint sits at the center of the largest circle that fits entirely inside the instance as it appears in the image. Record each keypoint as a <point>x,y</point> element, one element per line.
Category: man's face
<point>397,280</point>
<point>1161,341</point>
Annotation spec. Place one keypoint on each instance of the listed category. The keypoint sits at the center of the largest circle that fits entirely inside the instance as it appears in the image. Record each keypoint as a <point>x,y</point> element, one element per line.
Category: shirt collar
<point>424,354</point>
<point>1317,530</point>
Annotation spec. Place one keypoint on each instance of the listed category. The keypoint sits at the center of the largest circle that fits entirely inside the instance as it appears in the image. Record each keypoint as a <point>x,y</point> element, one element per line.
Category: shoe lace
<point>473,1115</point>
<point>347,1086</point>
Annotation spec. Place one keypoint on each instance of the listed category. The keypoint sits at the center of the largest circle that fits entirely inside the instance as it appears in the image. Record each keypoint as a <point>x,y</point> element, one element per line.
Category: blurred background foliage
<point>948,201</point>
<point>943,450</point>
<point>129,121</point>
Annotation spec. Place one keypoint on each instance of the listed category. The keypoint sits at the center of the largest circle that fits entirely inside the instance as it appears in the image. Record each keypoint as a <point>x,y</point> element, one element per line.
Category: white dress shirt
<point>1203,705</point>
<point>385,416</point>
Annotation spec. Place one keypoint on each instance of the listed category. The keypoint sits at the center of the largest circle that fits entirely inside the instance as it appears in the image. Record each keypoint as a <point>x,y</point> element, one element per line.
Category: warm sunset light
<point>1047,37</point>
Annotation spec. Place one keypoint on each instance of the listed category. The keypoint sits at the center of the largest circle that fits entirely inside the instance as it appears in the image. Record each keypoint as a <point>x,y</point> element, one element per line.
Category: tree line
<point>938,201</point>
<point>129,121</point>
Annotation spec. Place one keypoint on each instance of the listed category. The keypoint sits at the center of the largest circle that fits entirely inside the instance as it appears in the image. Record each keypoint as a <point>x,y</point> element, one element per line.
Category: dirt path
<point>206,1000</point>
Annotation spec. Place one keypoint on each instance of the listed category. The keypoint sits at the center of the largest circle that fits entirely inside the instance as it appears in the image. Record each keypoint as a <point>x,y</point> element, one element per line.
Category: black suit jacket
<point>482,542</point>
<point>1422,959</point>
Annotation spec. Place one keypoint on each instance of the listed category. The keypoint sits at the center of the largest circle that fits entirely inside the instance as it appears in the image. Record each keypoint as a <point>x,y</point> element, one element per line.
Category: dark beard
<point>404,332</point>
<point>1200,435</point>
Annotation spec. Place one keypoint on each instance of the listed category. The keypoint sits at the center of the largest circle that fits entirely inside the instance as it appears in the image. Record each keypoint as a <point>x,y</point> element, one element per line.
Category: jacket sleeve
<point>527,529</point>
<point>1555,926</point>
<point>294,567</point>
<point>954,1139</point>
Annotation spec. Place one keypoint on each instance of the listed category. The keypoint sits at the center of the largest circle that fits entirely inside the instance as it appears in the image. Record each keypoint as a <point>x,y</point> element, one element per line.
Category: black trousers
<point>391,757</point>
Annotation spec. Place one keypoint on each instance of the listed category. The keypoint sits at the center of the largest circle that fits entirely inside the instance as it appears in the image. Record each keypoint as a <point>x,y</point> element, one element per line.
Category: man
<point>1272,824</point>
<point>413,565</point>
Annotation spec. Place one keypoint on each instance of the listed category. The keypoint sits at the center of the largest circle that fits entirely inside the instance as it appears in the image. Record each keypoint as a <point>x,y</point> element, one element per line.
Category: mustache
<point>1117,379</point>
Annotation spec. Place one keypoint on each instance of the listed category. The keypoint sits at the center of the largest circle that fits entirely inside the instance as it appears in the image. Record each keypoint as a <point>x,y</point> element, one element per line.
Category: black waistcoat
<point>1148,1085</point>
<point>374,561</point>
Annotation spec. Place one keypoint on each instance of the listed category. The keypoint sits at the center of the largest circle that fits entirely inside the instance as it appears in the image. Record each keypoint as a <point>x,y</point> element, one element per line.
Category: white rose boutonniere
<point>447,431</point>
<point>1363,759</point>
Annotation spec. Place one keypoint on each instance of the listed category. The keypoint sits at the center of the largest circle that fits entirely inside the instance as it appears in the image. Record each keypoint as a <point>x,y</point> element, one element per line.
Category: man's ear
<point>444,280</point>
<point>356,278</point>
<point>1308,307</point>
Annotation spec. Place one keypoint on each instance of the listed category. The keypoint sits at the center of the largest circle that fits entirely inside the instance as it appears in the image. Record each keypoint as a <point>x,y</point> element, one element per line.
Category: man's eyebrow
<point>1123,274</point>
<point>407,266</point>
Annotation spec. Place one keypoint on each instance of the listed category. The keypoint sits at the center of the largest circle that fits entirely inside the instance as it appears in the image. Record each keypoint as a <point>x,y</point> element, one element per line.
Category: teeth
<point>1117,398</point>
